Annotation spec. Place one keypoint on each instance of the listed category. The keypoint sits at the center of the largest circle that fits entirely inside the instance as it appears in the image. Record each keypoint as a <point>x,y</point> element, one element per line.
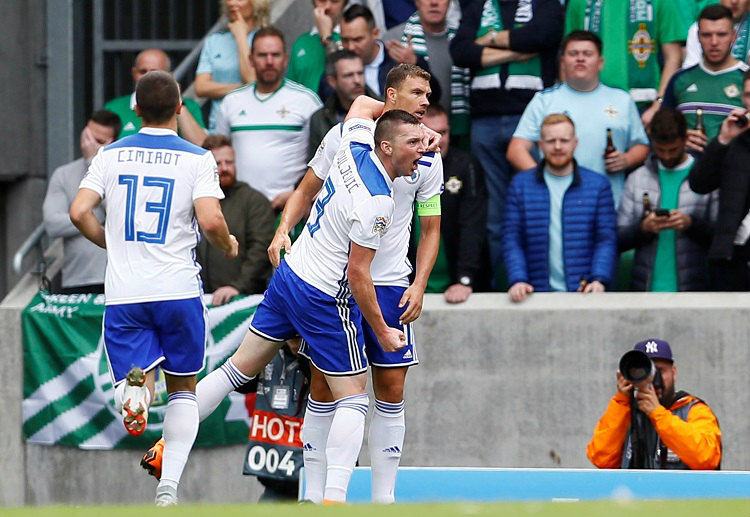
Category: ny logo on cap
<point>651,348</point>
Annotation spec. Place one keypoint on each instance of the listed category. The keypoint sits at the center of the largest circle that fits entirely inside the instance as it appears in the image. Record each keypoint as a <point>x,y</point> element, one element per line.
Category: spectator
<point>512,53</point>
<point>458,270</point>
<point>723,165</point>
<point>272,115</point>
<point>308,56</point>
<point>559,231</point>
<point>346,75</point>
<point>224,64</point>
<point>594,108</point>
<point>250,218</point>
<point>424,39</point>
<point>715,85</point>
<point>83,261</point>
<point>678,430</point>
<point>670,242</point>
<point>635,33</point>
<point>740,47</point>
<point>360,35</point>
<point>189,121</point>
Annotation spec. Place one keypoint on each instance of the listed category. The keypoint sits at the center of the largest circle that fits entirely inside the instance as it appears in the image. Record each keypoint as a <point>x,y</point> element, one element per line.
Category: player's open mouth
<point>419,114</point>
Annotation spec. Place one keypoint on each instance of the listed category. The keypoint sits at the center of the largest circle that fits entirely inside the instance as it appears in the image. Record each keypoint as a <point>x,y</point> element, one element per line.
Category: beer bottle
<point>699,121</point>
<point>646,205</point>
<point>610,145</point>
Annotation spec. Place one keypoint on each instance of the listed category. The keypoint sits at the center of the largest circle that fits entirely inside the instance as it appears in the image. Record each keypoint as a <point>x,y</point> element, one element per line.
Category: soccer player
<point>407,88</point>
<point>311,292</point>
<point>156,186</point>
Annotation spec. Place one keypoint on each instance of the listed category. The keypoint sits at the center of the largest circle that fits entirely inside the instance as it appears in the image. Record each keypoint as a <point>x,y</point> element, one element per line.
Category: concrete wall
<point>499,385</point>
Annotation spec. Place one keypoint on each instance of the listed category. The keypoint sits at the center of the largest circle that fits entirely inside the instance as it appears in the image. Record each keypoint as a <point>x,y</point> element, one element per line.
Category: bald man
<point>189,121</point>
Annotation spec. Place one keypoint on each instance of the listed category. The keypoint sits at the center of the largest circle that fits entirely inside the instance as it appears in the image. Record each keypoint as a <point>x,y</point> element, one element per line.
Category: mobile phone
<point>661,212</point>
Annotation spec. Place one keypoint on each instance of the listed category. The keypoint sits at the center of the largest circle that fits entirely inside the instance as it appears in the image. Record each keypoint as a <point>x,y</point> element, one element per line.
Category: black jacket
<point>541,35</point>
<point>726,167</point>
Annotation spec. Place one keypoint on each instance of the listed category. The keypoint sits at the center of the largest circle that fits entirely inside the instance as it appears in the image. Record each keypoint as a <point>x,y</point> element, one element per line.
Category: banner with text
<point>68,393</point>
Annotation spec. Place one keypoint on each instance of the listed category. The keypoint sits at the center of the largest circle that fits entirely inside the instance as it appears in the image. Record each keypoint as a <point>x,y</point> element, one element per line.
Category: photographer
<point>675,430</point>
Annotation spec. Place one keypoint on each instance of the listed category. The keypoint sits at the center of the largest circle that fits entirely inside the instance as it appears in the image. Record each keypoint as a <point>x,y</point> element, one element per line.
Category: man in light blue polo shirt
<point>594,107</point>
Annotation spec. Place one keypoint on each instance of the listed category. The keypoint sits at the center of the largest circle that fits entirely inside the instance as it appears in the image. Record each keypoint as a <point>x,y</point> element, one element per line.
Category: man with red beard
<point>559,232</point>
<point>249,215</point>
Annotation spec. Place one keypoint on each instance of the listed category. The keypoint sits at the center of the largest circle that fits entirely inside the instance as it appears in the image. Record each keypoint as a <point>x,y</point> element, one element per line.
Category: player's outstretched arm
<point>211,220</point>
<point>363,290</point>
<point>82,216</point>
<point>365,107</point>
<point>296,207</point>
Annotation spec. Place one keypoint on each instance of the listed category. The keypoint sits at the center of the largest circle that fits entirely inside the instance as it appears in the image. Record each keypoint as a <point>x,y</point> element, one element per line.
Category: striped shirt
<point>269,134</point>
<point>716,93</point>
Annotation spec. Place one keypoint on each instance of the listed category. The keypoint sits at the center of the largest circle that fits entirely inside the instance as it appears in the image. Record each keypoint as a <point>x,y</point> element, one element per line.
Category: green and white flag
<point>68,394</point>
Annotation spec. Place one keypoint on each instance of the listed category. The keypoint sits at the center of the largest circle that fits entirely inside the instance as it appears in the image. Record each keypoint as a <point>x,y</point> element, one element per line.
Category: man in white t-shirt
<point>407,88</point>
<point>269,122</point>
<point>156,186</point>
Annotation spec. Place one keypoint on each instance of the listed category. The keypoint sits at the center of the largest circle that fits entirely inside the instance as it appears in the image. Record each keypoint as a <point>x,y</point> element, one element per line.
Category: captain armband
<point>429,207</point>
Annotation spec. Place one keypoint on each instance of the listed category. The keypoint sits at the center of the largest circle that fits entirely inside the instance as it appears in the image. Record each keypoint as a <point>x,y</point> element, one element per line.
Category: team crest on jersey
<point>283,112</point>
<point>641,46</point>
<point>453,185</point>
<point>413,178</point>
<point>732,91</point>
<point>381,225</point>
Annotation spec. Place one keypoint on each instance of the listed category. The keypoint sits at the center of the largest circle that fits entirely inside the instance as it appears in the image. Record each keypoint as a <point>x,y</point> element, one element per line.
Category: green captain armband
<point>429,207</point>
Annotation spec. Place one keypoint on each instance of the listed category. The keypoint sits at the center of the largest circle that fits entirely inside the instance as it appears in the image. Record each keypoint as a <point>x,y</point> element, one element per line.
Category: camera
<point>640,370</point>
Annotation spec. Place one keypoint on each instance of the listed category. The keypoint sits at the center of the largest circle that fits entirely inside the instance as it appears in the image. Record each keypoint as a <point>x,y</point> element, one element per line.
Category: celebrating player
<point>311,291</point>
<point>407,88</point>
<point>156,185</point>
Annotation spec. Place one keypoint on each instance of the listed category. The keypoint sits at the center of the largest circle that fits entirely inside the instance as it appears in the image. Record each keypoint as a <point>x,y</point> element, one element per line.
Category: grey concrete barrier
<point>499,385</point>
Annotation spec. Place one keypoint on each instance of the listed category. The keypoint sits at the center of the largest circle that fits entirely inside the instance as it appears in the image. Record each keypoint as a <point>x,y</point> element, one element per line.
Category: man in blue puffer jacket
<point>560,231</point>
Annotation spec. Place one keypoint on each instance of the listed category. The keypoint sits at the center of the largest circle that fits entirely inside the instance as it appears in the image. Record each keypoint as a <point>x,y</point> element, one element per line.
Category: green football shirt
<point>716,93</point>
<point>131,123</point>
<point>620,38</point>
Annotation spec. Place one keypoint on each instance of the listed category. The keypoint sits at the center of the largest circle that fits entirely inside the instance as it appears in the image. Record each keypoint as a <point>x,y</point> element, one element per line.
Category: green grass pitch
<point>680,508</point>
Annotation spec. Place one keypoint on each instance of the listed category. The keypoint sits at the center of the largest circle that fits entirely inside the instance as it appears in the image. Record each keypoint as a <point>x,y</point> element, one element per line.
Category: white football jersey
<point>269,134</point>
<point>354,205</point>
<point>150,181</point>
<point>391,265</point>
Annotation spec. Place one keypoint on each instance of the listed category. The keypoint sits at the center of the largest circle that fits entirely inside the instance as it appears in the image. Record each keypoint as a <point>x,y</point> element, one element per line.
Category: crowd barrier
<point>499,385</point>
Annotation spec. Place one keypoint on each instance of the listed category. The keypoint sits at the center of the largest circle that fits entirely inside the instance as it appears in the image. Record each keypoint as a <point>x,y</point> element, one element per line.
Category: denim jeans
<point>490,137</point>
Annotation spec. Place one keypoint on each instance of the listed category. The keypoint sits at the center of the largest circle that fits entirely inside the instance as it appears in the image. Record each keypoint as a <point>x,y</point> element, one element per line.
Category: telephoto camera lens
<point>636,366</point>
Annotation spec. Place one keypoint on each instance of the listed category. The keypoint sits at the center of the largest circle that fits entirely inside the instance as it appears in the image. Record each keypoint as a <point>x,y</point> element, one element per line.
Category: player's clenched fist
<point>392,340</point>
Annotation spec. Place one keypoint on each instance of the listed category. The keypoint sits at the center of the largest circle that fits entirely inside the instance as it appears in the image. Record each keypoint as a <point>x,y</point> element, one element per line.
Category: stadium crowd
<point>498,69</point>
<point>583,148</point>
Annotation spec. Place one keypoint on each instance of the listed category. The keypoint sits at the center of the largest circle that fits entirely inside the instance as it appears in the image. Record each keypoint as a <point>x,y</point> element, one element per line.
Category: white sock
<point>180,429</point>
<point>344,443</point>
<point>386,440</point>
<point>120,392</point>
<point>215,386</point>
<point>317,424</point>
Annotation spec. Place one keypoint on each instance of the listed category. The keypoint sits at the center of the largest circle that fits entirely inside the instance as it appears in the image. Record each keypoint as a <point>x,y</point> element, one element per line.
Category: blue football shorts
<point>388,298</point>
<point>331,327</point>
<point>170,333</point>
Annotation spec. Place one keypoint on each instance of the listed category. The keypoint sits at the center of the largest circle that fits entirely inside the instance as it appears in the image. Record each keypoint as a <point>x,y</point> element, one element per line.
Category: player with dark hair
<point>156,186</point>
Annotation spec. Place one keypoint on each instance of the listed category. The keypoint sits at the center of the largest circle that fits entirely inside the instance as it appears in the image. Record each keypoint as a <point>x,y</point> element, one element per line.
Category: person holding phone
<point>670,241</point>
